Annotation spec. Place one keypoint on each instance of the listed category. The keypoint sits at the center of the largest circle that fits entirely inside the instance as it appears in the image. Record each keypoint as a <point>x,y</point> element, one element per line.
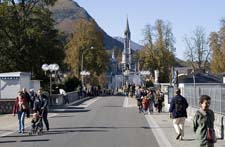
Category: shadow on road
<point>108,127</point>
<point>67,110</point>
<point>31,140</point>
<point>54,132</point>
<point>57,116</point>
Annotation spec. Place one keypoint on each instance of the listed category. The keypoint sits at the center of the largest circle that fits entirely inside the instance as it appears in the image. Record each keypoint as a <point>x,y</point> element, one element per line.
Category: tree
<point>85,36</point>
<point>217,45</point>
<point>197,51</point>
<point>28,36</point>
<point>158,49</point>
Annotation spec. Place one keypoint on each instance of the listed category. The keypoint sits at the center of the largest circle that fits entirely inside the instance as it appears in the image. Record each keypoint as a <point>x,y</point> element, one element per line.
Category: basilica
<point>124,72</point>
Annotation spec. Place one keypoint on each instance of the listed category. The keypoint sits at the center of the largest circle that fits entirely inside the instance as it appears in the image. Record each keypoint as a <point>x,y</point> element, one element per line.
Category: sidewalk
<point>164,124</point>
<point>9,123</point>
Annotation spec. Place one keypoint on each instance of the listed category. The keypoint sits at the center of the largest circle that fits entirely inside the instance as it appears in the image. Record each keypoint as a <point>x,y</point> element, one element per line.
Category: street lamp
<point>84,73</point>
<point>82,64</point>
<point>51,68</point>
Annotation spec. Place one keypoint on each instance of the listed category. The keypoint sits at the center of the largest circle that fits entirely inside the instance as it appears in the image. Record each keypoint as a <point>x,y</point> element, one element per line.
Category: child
<point>36,123</point>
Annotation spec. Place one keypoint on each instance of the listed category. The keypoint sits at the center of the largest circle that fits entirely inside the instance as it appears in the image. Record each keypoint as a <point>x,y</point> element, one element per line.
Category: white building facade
<point>12,82</point>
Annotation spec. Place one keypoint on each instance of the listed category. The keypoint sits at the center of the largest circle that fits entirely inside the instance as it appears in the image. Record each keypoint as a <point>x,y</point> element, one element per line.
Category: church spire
<point>127,30</point>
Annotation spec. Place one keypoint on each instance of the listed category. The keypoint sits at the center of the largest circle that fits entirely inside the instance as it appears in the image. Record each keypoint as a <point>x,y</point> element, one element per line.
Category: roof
<point>199,78</point>
<point>14,74</point>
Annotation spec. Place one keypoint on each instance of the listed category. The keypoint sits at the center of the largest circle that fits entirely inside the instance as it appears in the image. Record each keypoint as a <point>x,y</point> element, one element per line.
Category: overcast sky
<point>184,15</point>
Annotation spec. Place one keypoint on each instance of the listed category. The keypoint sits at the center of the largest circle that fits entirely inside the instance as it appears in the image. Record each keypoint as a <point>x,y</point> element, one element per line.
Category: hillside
<point>134,46</point>
<point>65,12</point>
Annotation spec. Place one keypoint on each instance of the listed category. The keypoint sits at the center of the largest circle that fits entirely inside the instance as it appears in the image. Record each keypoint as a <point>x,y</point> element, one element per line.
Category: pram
<point>36,124</point>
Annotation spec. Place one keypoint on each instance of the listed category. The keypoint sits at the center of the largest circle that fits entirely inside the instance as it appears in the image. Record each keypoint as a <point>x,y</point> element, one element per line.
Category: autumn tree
<point>28,36</point>
<point>158,51</point>
<point>86,36</point>
<point>197,51</point>
<point>217,45</point>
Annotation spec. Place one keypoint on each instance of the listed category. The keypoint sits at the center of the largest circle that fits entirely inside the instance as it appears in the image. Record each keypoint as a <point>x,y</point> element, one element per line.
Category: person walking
<point>203,121</point>
<point>178,111</point>
<point>65,96</point>
<point>28,100</point>
<point>33,95</point>
<point>41,106</point>
<point>20,108</point>
<point>150,97</point>
<point>159,100</point>
<point>138,98</point>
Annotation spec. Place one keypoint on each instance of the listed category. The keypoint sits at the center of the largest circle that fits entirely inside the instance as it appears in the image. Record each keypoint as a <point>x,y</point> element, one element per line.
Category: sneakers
<point>181,138</point>
<point>178,136</point>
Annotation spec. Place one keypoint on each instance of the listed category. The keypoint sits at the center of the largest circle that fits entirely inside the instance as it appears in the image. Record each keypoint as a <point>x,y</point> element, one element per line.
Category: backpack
<point>179,105</point>
<point>161,96</point>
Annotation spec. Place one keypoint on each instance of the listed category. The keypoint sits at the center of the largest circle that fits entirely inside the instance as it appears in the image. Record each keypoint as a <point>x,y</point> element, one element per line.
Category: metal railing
<point>216,92</point>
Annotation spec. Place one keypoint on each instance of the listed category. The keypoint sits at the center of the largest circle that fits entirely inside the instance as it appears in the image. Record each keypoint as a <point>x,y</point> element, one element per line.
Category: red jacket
<point>16,105</point>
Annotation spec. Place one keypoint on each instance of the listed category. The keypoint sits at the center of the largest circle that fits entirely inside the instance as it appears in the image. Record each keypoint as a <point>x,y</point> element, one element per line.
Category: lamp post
<point>82,64</point>
<point>51,68</point>
<point>84,73</point>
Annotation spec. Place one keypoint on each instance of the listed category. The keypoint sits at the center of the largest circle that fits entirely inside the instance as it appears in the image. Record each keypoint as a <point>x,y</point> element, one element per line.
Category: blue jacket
<point>173,110</point>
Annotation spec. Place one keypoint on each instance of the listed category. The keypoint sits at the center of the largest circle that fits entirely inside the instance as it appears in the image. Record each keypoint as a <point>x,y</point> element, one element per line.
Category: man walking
<point>178,108</point>
<point>41,106</point>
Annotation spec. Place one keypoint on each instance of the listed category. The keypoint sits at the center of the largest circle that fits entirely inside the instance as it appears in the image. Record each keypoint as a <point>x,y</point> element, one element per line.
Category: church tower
<point>126,55</point>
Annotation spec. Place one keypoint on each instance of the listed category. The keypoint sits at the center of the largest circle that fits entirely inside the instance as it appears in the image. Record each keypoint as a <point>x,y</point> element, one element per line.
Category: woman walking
<point>203,121</point>
<point>20,108</point>
<point>150,97</point>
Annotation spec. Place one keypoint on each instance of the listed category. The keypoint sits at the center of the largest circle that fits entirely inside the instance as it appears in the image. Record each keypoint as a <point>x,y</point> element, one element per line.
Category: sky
<point>184,16</point>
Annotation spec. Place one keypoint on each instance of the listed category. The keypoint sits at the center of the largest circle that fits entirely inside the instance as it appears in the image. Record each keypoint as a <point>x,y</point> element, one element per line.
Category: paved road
<point>99,122</point>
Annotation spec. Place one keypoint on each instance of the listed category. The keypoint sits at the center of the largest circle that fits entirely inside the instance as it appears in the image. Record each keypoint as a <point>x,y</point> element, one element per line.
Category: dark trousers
<point>45,119</point>
<point>159,106</point>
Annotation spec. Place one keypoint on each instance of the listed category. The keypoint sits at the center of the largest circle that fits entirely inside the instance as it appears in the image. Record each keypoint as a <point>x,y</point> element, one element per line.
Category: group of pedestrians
<point>27,103</point>
<point>203,121</point>
<point>148,99</point>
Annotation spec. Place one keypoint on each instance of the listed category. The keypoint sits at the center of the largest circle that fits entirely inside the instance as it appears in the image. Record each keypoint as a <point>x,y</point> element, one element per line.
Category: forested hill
<point>65,12</point>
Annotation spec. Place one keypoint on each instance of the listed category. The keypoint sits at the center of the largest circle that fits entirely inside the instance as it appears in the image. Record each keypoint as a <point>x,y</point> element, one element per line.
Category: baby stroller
<point>36,124</point>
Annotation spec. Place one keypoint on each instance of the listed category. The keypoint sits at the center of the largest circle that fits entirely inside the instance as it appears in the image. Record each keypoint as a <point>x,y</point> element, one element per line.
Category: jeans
<point>21,116</point>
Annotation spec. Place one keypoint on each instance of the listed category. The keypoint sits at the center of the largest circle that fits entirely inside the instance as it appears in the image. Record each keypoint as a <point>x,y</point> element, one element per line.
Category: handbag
<point>211,135</point>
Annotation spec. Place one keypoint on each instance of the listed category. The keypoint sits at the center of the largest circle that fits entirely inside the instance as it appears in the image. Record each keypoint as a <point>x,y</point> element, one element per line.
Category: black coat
<point>173,110</point>
<point>41,103</point>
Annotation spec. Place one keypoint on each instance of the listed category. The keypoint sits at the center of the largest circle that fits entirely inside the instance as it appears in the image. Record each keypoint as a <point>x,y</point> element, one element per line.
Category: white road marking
<point>89,102</point>
<point>157,132</point>
<point>125,102</point>
<point>6,134</point>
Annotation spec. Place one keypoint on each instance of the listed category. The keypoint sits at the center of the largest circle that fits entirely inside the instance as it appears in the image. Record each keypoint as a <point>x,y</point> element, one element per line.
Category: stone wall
<point>6,106</point>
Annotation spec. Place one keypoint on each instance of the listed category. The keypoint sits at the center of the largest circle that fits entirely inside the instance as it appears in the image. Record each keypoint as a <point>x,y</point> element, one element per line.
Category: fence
<point>216,92</point>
